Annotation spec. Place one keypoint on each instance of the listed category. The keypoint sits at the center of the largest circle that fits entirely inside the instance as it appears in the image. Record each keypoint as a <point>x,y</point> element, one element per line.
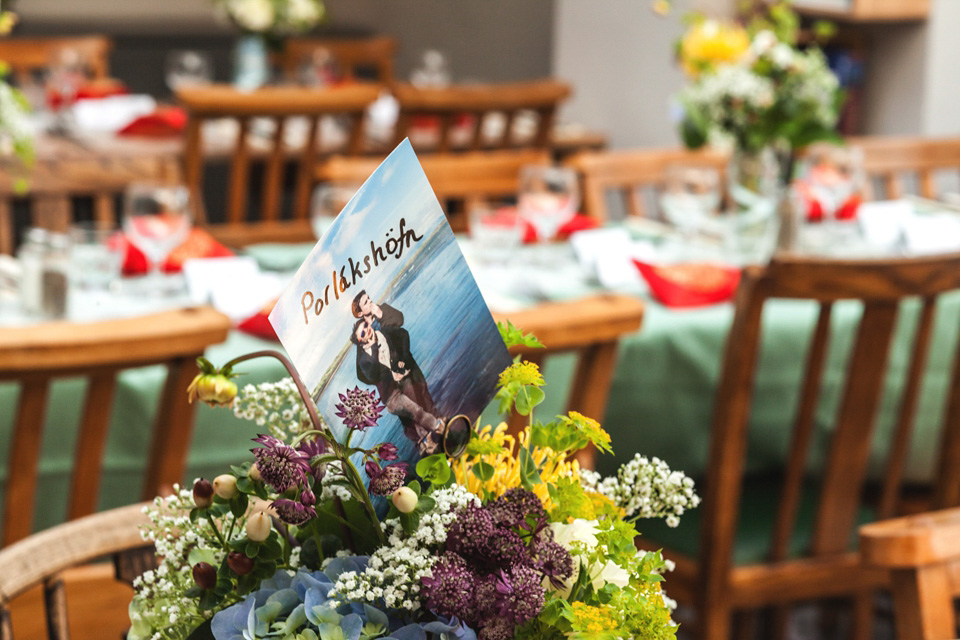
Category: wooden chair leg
<point>922,605</point>
<point>716,623</point>
<point>861,624</point>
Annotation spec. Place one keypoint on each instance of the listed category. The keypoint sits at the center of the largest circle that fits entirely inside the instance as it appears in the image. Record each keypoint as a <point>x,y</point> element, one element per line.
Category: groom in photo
<point>378,315</point>
<point>384,360</point>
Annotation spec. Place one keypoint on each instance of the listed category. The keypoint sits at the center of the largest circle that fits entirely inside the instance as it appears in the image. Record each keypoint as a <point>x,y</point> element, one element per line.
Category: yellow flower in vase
<point>709,43</point>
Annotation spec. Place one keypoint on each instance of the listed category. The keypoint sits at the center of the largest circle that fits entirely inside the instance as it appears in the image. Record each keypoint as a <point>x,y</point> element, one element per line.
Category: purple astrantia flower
<point>471,533</point>
<point>387,451</point>
<point>308,498</point>
<point>385,481</point>
<point>553,561</point>
<point>293,512</point>
<point>314,447</point>
<point>520,594</point>
<point>514,507</point>
<point>359,409</point>
<point>449,589</point>
<point>280,465</point>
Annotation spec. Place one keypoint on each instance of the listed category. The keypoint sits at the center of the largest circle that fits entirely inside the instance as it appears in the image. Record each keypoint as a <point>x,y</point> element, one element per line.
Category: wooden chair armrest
<point>912,541</point>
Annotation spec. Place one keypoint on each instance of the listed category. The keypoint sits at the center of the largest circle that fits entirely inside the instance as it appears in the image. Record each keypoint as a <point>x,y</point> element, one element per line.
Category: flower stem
<point>367,504</point>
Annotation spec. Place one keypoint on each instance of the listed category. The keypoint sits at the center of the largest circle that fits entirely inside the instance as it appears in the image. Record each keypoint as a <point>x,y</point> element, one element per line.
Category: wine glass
<point>826,195</point>
<point>188,68</point>
<point>66,74</point>
<point>156,219</point>
<point>691,198</point>
<point>548,197</point>
<point>326,204</point>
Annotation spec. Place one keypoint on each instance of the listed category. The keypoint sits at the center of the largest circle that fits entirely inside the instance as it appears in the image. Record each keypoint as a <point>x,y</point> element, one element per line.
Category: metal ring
<point>451,446</point>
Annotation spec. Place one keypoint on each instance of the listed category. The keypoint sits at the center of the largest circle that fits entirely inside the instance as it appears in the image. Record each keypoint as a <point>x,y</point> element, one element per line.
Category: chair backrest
<point>478,116</point>
<point>633,177</point>
<point>370,58</point>
<point>35,356</point>
<point>459,180</point>
<point>922,553</point>
<point>896,166</point>
<point>27,56</point>
<point>888,291</point>
<point>278,108</point>
<point>41,559</point>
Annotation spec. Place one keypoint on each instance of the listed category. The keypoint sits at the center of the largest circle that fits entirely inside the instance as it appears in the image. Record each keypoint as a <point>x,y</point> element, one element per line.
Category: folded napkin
<point>160,123</point>
<point>579,222</point>
<point>690,285</point>
<point>93,91</point>
<point>199,244</point>
<point>814,206</point>
<point>259,324</point>
<point>110,113</point>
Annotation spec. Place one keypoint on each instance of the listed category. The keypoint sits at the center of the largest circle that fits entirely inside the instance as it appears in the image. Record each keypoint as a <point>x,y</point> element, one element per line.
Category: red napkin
<point>163,122</point>
<point>814,208</point>
<point>579,222</point>
<point>259,324</point>
<point>690,285</point>
<point>89,92</point>
<point>199,244</point>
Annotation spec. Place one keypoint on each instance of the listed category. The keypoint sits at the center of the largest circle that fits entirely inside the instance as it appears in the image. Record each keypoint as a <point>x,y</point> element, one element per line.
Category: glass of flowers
<point>505,538</point>
<point>754,90</point>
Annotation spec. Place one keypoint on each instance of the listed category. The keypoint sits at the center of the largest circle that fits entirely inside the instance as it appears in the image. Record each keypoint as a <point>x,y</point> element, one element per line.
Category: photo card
<point>386,304</point>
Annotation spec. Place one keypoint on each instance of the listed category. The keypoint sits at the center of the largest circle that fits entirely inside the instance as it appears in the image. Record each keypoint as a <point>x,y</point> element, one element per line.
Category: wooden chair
<point>368,58</point>
<point>633,176</point>
<point>896,166</point>
<point>590,327</point>
<point>922,554</point>
<point>802,549</point>
<point>442,119</point>
<point>278,105</point>
<point>60,560</point>
<point>35,356</point>
<point>28,56</point>
<point>460,181</point>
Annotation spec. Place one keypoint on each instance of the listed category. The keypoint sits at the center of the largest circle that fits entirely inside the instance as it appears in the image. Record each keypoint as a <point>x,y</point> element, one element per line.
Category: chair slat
<point>802,434</point>
<point>55,606</point>
<point>6,226</point>
<point>947,484</point>
<point>24,458</point>
<point>305,179</point>
<point>273,176</point>
<point>850,444</point>
<point>239,174</point>
<point>900,442</point>
<point>91,443</point>
<point>193,168</point>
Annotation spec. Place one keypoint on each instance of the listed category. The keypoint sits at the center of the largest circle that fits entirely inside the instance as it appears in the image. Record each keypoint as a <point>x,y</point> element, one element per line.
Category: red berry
<point>205,575</point>
<point>239,563</point>
<point>203,493</point>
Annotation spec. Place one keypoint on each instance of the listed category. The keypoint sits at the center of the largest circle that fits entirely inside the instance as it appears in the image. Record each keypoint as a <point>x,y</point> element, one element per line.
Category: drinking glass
<point>66,73</point>
<point>156,219</point>
<point>96,255</point>
<point>496,232</point>
<point>548,197</point>
<point>691,199</point>
<point>188,68</point>
<point>327,203</point>
<point>826,194</point>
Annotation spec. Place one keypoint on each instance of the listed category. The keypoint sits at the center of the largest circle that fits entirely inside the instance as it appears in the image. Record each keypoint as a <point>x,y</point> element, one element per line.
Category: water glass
<point>826,195</point>
<point>96,255</point>
<point>326,204</point>
<point>548,197</point>
<point>188,68</point>
<point>157,219</point>
<point>496,232</point>
<point>691,197</point>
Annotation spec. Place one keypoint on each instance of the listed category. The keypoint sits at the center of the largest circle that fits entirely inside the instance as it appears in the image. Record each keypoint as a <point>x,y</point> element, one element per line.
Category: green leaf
<point>529,476</point>
<point>513,336</point>
<point>434,469</point>
<point>425,504</point>
<point>252,549</point>
<point>482,470</point>
<point>238,505</point>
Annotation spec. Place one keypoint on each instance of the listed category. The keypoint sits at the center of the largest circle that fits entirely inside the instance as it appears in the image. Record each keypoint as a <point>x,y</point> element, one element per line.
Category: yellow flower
<point>591,429</point>
<point>505,465</point>
<point>709,43</point>
<point>592,619</point>
<point>523,372</point>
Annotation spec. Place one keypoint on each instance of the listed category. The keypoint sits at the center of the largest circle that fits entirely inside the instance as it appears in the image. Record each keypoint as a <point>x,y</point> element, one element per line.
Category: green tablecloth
<point>660,403</point>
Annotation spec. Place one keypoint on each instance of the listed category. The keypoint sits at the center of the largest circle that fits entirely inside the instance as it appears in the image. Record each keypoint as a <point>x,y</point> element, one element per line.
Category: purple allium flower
<point>497,629</point>
<point>514,507</point>
<point>359,409</point>
<point>280,465</point>
<point>520,595</point>
<point>385,481</point>
<point>387,451</point>
<point>449,590</point>
<point>505,548</point>
<point>470,534</point>
<point>293,512</point>
<point>553,561</point>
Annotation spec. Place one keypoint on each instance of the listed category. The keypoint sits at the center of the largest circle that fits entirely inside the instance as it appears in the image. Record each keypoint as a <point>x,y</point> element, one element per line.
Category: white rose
<point>579,530</point>
<point>610,572</point>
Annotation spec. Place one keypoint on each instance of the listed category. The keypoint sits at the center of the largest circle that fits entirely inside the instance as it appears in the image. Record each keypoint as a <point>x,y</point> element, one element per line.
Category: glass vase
<point>251,62</point>
<point>755,191</point>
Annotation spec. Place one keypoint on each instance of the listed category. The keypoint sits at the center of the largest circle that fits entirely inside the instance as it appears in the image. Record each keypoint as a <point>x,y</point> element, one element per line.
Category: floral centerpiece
<point>754,89</point>
<point>272,19</point>
<point>15,138</point>
<point>505,539</point>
